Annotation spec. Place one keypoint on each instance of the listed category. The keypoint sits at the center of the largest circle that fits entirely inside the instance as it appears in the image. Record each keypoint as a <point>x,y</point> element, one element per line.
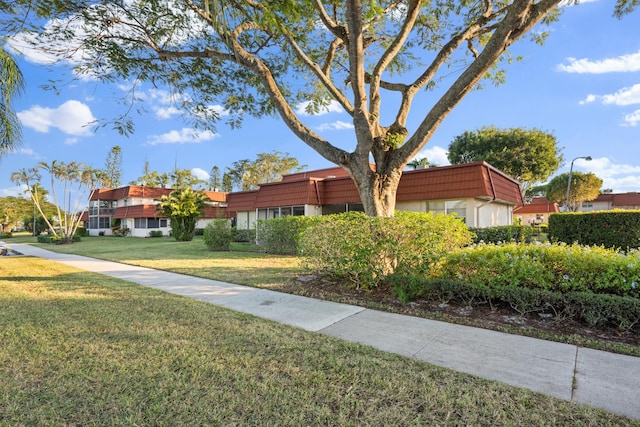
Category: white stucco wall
<point>493,214</point>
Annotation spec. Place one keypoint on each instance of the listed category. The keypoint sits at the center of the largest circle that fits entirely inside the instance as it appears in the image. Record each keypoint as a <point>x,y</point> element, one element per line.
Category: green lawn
<point>246,266</point>
<point>84,349</point>
<point>241,265</point>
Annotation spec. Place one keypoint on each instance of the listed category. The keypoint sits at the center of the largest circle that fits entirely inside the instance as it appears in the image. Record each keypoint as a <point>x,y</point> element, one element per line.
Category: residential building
<point>537,211</point>
<point>135,207</point>
<point>608,201</point>
<point>476,192</point>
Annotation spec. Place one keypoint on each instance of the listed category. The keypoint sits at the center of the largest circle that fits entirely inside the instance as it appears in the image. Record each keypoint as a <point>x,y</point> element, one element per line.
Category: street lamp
<point>587,158</point>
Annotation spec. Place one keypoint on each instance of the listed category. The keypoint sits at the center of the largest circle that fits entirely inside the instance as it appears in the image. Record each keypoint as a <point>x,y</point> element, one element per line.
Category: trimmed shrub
<point>363,250</point>
<point>555,267</point>
<point>82,232</point>
<point>622,312</point>
<point>611,229</point>
<point>218,235</point>
<point>44,238</point>
<point>503,234</point>
<point>243,235</point>
<point>281,235</point>
<point>156,233</point>
<point>121,232</point>
<point>6,235</point>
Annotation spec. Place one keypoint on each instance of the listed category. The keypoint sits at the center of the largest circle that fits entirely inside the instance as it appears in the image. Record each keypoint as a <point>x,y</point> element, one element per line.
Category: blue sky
<point>583,86</point>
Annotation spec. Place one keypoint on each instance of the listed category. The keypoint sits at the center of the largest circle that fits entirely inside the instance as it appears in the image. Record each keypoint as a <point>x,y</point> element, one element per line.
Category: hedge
<point>596,310</point>
<point>611,229</point>
<point>503,234</point>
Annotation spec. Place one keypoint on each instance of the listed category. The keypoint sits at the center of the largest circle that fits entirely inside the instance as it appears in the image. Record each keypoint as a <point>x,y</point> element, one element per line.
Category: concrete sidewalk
<point>596,378</point>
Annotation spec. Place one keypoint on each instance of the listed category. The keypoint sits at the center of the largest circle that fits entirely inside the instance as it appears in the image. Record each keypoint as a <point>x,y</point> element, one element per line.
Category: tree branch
<point>413,10</point>
<point>521,15</point>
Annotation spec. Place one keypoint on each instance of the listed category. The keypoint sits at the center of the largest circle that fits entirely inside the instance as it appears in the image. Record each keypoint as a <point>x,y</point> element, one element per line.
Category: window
<point>298,211</point>
<point>459,207</point>
<point>99,222</point>
<point>150,222</point>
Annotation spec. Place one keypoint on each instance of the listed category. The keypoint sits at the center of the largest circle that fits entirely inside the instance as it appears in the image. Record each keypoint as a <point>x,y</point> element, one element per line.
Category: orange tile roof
<point>216,196</point>
<point>129,191</point>
<point>477,180</point>
<point>619,200</point>
<point>215,212</point>
<point>333,172</point>
<point>242,201</point>
<point>538,205</point>
<point>288,193</point>
<point>137,211</point>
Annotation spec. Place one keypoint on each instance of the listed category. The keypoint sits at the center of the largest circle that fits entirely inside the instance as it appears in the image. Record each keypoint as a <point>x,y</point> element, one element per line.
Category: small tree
<point>529,156</point>
<point>215,182</point>
<point>183,207</point>
<point>584,187</point>
<point>113,168</point>
<point>74,180</point>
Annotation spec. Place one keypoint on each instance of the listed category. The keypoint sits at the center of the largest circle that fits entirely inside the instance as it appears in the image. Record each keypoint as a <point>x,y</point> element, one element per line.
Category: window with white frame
<point>459,207</point>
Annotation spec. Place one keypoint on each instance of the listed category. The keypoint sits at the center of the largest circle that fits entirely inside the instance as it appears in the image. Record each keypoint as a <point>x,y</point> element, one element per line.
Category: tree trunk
<point>377,189</point>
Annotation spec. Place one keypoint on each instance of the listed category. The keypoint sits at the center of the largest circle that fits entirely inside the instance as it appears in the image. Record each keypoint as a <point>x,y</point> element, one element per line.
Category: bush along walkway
<point>596,378</point>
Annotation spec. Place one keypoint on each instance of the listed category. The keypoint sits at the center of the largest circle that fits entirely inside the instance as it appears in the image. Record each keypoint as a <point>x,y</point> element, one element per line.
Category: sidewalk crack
<point>574,382</point>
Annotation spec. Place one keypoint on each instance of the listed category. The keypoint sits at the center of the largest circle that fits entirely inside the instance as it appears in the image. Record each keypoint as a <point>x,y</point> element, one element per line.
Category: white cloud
<point>17,191</point>
<point>619,177</point>
<point>623,63</point>
<point>71,141</point>
<point>25,151</point>
<point>436,155</point>
<point>200,174</point>
<point>337,125</point>
<point>333,107</point>
<point>72,117</point>
<point>166,112</point>
<point>590,98</point>
<point>625,96</point>
<point>182,136</point>
<point>632,119</point>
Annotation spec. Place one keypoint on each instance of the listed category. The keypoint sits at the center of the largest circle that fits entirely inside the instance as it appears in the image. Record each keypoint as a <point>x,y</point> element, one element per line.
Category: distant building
<point>477,192</point>
<point>607,201</point>
<point>536,211</point>
<point>135,207</point>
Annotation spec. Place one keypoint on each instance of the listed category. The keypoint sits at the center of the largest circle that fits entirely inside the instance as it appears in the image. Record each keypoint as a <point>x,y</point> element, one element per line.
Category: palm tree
<point>420,163</point>
<point>11,84</point>
<point>183,207</point>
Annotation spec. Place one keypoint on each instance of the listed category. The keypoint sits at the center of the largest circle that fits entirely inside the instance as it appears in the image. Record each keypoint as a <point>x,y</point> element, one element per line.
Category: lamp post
<point>587,158</point>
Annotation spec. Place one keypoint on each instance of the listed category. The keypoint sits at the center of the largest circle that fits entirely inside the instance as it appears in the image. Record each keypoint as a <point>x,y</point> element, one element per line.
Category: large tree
<point>267,167</point>
<point>584,187</point>
<point>266,57</point>
<point>530,156</point>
